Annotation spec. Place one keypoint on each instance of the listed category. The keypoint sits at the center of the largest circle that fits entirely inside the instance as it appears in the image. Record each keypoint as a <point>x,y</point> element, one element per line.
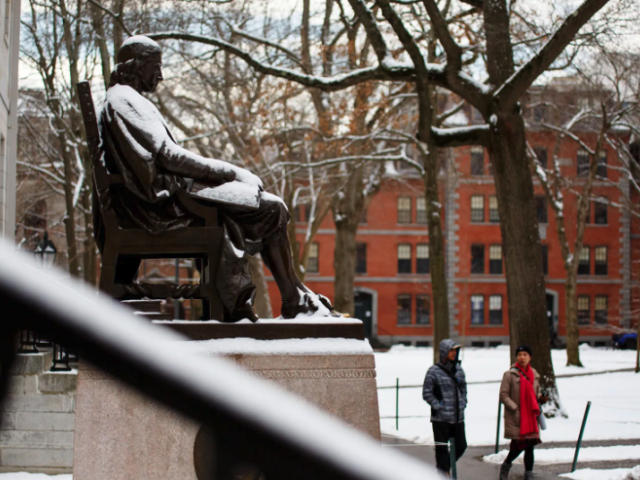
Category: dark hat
<point>524,348</point>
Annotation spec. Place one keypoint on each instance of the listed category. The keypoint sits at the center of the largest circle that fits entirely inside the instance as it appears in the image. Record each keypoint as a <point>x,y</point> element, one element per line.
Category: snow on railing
<point>257,422</point>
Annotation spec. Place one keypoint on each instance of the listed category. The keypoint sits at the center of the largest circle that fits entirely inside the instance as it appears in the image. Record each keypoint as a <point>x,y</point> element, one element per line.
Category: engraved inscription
<point>315,374</point>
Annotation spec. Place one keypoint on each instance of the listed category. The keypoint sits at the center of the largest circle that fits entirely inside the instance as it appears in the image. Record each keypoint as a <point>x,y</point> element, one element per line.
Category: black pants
<point>515,451</point>
<point>442,432</point>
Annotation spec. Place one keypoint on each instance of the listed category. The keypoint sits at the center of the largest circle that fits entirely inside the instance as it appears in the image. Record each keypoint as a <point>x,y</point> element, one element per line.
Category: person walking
<point>520,392</point>
<point>445,390</point>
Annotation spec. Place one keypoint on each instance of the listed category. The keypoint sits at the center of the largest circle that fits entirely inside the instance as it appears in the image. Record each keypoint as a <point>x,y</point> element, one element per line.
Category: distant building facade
<point>393,284</point>
<point>9,53</point>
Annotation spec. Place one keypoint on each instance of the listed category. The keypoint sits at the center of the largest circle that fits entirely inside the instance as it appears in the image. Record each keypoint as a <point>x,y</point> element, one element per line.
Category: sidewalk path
<point>471,466</point>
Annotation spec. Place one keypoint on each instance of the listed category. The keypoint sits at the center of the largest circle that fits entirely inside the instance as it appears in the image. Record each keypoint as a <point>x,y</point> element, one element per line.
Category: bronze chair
<point>200,242</point>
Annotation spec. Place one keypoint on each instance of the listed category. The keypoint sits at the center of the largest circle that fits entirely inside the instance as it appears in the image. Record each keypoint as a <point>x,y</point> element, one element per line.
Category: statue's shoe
<point>310,304</point>
<point>246,312</point>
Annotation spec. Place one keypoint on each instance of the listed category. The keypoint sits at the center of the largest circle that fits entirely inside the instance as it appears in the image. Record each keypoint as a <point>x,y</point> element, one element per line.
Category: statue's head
<point>139,64</point>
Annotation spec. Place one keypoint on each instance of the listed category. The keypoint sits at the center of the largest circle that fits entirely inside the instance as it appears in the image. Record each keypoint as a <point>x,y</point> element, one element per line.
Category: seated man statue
<point>136,143</point>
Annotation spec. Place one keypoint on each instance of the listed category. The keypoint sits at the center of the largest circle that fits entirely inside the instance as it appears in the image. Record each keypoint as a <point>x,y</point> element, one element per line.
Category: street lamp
<point>45,252</point>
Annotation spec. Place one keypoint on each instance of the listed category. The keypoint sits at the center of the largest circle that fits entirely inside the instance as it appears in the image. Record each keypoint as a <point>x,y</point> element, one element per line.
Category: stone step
<point>151,306</point>
<point>31,363</point>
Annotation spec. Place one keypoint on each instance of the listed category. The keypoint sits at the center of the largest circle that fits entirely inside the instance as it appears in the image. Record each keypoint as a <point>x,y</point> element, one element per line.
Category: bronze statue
<point>136,142</point>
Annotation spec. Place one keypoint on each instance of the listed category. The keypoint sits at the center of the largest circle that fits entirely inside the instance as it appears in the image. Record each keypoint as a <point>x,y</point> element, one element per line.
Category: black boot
<point>505,468</point>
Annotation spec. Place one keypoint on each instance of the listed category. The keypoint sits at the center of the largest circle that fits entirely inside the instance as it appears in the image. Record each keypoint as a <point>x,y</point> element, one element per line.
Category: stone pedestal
<point>121,435</point>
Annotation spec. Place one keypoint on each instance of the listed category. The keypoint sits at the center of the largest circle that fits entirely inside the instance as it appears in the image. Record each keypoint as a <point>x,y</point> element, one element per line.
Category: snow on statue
<point>137,143</point>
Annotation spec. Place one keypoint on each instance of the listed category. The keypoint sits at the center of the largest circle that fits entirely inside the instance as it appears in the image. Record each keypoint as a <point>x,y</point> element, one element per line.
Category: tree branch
<point>115,16</point>
<point>365,15</point>
<point>456,137</point>
<point>329,84</point>
<point>474,3</point>
<point>439,24</point>
<point>521,80</point>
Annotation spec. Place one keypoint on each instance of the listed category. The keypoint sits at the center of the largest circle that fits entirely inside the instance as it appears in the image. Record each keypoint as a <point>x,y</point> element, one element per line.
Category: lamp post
<point>45,257</point>
<point>45,252</point>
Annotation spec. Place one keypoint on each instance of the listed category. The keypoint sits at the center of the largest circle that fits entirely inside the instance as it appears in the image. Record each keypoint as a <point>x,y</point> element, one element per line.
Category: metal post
<point>452,456</point>
<point>176,302</point>
<point>584,423</point>
<point>498,427</point>
<point>397,401</point>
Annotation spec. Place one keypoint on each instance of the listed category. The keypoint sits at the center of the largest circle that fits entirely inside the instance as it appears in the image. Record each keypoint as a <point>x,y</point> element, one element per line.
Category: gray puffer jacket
<point>445,388</point>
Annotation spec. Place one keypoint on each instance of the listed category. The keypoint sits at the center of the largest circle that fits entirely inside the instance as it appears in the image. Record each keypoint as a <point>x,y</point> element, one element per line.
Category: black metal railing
<point>252,421</point>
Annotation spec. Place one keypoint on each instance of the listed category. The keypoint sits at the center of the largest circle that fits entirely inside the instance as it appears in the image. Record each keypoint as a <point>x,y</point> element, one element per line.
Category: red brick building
<point>393,285</point>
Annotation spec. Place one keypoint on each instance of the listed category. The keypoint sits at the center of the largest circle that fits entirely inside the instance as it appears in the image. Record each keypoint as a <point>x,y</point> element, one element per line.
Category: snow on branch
<point>457,136</point>
<point>402,157</point>
<point>340,81</point>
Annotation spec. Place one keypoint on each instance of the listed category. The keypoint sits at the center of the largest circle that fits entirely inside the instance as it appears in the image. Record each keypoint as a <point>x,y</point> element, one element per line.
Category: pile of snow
<point>293,346</point>
<point>615,397</point>
<point>613,474</point>
<point>33,476</point>
<point>547,456</point>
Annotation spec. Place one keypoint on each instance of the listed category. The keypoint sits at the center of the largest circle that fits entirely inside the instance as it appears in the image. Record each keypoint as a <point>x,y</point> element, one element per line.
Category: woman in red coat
<point>519,392</point>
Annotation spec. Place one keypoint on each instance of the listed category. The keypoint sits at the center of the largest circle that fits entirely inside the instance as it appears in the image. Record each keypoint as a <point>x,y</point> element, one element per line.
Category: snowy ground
<point>614,474</point>
<point>565,455</point>
<point>615,397</point>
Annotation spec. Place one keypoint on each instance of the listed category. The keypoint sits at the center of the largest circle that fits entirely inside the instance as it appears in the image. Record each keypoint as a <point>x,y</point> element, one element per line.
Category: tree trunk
<point>573,335</point>
<point>528,321</point>
<point>97,21</point>
<point>89,253</point>
<point>262,303</point>
<point>436,252</point>
<point>344,264</point>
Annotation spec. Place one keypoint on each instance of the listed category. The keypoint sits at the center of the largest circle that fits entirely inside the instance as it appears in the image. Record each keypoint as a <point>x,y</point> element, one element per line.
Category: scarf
<point>529,408</point>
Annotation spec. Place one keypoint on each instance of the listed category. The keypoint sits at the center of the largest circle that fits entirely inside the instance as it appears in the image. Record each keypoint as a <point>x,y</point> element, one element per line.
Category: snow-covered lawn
<point>614,474</point>
<point>615,397</point>
<point>565,455</point>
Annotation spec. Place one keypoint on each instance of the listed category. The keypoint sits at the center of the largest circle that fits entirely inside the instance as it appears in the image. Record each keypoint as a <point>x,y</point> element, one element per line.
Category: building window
<point>404,210</point>
<point>494,216</point>
<point>545,259</point>
<point>495,259</point>
<point>600,307</point>
<point>404,309</point>
<point>361,257</point>
<point>495,309</point>
<point>600,260</point>
<point>404,258</point>
<point>477,161</point>
<point>312,261</point>
<point>542,210</point>
<point>421,210</point>
<point>584,261</point>
<point>582,160</point>
<point>423,309</point>
<point>477,208</point>
<point>602,165</point>
<point>477,258</point>
<point>538,113</point>
<point>600,215</point>
<point>477,310</point>
<point>584,313</point>
<point>422,258</point>
<point>541,154</point>
<point>7,20</point>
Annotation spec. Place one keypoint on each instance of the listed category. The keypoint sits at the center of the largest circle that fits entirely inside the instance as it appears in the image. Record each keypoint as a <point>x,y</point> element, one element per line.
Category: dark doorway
<point>364,311</point>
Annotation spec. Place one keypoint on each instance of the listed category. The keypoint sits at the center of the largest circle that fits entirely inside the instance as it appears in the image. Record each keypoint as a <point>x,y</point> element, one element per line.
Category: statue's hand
<point>222,175</point>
